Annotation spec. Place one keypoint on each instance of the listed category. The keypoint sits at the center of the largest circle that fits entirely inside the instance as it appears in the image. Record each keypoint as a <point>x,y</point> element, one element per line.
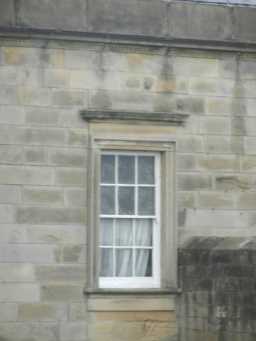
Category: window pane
<point>107,169</point>
<point>126,169</point>
<point>107,199</point>
<point>143,263</point>
<point>124,262</point>
<point>106,263</point>
<point>143,232</point>
<point>146,201</point>
<point>126,200</point>
<point>146,172</point>
<point>106,232</point>
<point>124,232</point>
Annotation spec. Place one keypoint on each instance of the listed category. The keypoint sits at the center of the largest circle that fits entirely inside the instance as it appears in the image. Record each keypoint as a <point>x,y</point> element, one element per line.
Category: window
<point>129,220</point>
<point>131,215</point>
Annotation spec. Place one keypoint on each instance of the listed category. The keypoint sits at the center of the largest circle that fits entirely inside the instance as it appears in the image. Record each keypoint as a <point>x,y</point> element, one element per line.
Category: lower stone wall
<point>218,280</point>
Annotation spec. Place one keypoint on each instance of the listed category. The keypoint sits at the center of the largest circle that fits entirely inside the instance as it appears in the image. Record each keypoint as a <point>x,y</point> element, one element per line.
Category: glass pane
<point>124,232</point>
<point>146,171</point>
<point>107,169</point>
<point>146,201</point>
<point>107,199</point>
<point>126,200</point>
<point>106,231</point>
<point>123,262</point>
<point>143,263</point>
<point>106,263</point>
<point>143,232</point>
<point>126,169</point>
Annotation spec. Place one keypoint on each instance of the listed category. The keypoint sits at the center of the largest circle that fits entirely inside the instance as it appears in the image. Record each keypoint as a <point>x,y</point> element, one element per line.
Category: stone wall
<point>156,20</point>
<point>218,282</point>
<point>43,156</point>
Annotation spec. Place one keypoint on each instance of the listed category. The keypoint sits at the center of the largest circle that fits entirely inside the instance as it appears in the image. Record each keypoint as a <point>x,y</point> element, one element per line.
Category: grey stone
<point>134,17</point>
<point>7,13</point>
<point>212,22</point>
<point>43,195</point>
<point>55,14</point>
<point>191,182</point>
<point>244,28</point>
<point>61,292</point>
<point>67,157</point>
<point>60,273</point>
<point>9,194</point>
<point>19,292</point>
<point>44,215</point>
<point>41,312</point>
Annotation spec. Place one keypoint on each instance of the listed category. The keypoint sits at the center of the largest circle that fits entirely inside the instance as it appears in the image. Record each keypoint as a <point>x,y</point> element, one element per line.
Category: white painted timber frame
<point>167,210</point>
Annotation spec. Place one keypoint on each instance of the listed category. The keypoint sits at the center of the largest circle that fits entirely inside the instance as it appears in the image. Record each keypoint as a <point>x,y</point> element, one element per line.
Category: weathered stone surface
<point>43,195</point>
<point>61,292</point>
<point>19,292</point>
<point>7,13</point>
<point>76,331</point>
<point>26,175</point>
<point>60,273</point>
<point>28,253</point>
<point>70,177</point>
<point>9,194</point>
<point>141,17</point>
<point>57,14</point>
<point>244,19</point>
<point>213,22</point>
<point>41,312</point>
<point>67,157</point>
<point>44,215</point>
<point>191,182</point>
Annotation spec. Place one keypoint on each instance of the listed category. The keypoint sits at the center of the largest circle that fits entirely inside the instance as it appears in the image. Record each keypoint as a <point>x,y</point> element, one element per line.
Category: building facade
<point>127,170</point>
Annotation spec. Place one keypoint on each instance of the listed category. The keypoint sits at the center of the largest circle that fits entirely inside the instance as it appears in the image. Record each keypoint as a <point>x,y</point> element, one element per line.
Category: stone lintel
<point>161,117</point>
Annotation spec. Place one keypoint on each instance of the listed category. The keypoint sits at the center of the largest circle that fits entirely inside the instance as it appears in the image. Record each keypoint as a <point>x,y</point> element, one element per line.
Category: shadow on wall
<point>218,281</point>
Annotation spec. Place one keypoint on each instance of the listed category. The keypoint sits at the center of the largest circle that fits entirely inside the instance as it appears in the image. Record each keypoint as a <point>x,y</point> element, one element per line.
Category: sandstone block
<point>215,200</point>
<point>35,155</point>
<point>42,312</point>
<point>246,201</point>
<point>76,331</point>
<point>60,273</point>
<point>215,125</point>
<point>26,175</point>
<point>192,182</point>
<point>11,114</point>
<point>67,157</point>
<point>78,137</point>
<point>33,96</point>
<point>219,163</point>
<point>142,18</point>
<point>28,253</point>
<point>42,116</point>
<point>77,311</point>
<point>7,13</point>
<point>11,154</point>
<point>74,197</point>
<point>73,253</point>
<point>189,144</point>
<point>42,195</point>
<point>67,98</point>
<point>17,272</point>
<point>56,78</point>
<point>70,177</point>
<point>9,194</point>
<point>234,182</point>
<point>19,292</point>
<point>7,213</point>
<point>35,13</point>
<point>45,215</point>
<point>8,312</point>
<point>17,55</point>
<point>54,234</point>
<point>61,292</point>
<point>44,136</point>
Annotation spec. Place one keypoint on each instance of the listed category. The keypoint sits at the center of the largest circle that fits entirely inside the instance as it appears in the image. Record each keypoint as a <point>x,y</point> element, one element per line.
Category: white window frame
<point>139,282</point>
<point>168,240</point>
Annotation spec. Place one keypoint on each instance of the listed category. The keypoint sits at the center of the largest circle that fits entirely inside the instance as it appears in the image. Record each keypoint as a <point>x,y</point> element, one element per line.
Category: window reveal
<point>129,219</point>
